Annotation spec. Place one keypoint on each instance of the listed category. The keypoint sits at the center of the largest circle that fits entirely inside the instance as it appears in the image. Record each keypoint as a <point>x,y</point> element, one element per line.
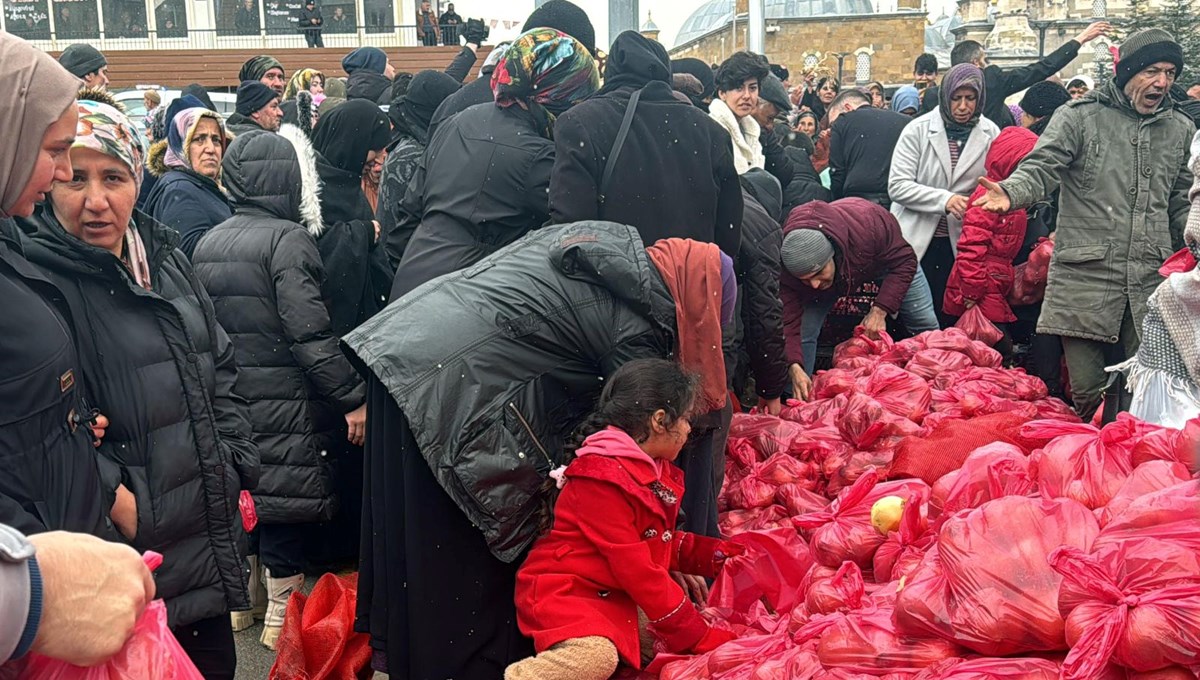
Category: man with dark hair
<point>87,62</point>
<point>781,72</point>
<point>925,71</point>
<point>257,108</point>
<point>861,141</point>
<point>999,84</point>
<point>1119,158</point>
<point>1079,86</point>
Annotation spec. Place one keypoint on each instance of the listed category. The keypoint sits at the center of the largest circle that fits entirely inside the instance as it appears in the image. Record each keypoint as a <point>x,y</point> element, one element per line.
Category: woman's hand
<point>801,383</point>
<point>356,425</point>
<point>124,513</point>
<point>377,228</point>
<point>957,205</point>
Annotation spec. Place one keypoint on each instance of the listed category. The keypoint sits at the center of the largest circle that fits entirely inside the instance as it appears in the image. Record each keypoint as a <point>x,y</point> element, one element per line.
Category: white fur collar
<point>747,148</point>
<point>310,197</point>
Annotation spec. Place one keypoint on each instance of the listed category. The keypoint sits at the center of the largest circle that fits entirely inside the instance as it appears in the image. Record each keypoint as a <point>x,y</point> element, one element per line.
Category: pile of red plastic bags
<point>1021,543</point>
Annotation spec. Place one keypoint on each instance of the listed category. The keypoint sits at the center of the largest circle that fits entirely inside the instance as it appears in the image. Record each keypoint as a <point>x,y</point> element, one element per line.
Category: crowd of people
<point>478,346</point>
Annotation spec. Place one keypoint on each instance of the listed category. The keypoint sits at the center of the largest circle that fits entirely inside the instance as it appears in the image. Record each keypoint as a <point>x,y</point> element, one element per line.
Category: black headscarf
<point>347,134</point>
<point>702,72</point>
<point>635,60</point>
<point>411,112</point>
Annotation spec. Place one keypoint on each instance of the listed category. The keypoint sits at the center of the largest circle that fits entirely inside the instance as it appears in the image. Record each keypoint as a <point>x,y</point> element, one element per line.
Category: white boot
<point>258,599</point>
<point>278,592</point>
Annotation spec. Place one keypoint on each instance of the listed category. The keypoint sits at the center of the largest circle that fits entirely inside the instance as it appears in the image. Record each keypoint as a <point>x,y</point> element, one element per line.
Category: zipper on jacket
<point>529,431</point>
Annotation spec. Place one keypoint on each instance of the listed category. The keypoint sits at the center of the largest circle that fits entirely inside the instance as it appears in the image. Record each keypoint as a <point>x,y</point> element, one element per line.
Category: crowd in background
<point>395,329</point>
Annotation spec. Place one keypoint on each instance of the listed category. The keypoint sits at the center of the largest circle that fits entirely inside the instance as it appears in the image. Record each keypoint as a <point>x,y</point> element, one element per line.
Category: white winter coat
<point>921,183</point>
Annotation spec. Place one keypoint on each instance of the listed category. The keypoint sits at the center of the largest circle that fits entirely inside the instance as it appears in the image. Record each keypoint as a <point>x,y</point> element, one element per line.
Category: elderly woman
<point>818,98</point>
<point>877,93</point>
<point>162,370</point>
<point>458,453</point>
<point>906,100</point>
<point>543,73</point>
<point>935,167</point>
<point>738,81</point>
<point>187,196</point>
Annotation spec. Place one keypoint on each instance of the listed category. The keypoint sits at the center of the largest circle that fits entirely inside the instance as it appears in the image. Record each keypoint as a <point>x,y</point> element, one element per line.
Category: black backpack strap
<point>619,142</point>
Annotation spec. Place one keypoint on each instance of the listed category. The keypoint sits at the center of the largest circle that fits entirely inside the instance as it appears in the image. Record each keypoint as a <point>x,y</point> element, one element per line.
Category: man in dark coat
<point>311,23</point>
<point>563,15</point>
<point>773,106</point>
<point>686,188</point>
<point>257,109</point>
<point>829,250</point>
<point>861,143</point>
<point>370,74</point>
<point>449,22</point>
<point>1000,84</point>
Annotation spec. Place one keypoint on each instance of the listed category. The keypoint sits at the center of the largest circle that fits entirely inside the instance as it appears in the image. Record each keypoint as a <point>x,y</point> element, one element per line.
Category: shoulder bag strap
<point>611,164</point>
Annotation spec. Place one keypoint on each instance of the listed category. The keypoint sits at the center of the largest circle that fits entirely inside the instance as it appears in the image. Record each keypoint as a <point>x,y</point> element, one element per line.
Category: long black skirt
<point>435,600</point>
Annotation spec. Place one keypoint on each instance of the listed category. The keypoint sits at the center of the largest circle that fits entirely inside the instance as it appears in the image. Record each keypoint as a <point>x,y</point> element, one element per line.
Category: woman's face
<point>827,91</point>
<point>316,85</point>
<point>205,151</point>
<point>53,163</point>
<point>373,168</point>
<point>962,105</point>
<point>742,100</point>
<point>96,203</point>
<point>877,98</point>
<point>807,125</point>
<point>1027,121</point>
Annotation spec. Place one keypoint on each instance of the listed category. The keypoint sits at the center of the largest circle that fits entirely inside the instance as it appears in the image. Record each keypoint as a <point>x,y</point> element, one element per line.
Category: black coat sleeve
<point>575,180</point>
<point>762,309</point>
<point>837,158</point>
<point>778,163</point>
<point>1005,82</point>
<point>460,67</point>
<point>728,236</point>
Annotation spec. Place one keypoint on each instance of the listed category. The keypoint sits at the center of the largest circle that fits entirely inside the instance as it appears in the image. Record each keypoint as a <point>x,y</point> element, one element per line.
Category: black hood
<point>635,61</point>
<point>346,135</point>
<point>370,86</point>
<point>764,188</point>
<point>411,112</point>
<point>261,170</point>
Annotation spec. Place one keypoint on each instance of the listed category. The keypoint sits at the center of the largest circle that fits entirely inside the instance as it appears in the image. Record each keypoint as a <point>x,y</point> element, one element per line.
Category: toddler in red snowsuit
<point>613,542</point>
<point>983,269</point>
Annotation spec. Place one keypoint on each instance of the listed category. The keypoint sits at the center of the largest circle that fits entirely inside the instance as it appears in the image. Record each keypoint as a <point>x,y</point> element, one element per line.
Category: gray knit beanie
<point>805,252</point>
<point>1145,48</point>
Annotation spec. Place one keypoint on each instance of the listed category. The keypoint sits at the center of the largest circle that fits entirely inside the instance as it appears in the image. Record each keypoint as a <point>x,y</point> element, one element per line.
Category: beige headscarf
<point>34,92</point>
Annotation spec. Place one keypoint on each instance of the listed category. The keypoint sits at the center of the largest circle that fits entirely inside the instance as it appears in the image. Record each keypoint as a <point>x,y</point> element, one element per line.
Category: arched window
<point>862,66</point>
<point>1099,8</point>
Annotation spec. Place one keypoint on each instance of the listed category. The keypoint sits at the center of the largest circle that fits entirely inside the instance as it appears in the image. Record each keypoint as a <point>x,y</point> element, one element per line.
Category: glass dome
<point>716,13</point>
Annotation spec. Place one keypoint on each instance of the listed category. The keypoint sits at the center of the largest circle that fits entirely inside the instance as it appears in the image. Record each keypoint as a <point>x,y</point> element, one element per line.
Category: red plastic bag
<point>1088,465</point>
<point>866,641</point>
<point>954,340</point>
<point>1029,277</point>
<point>900,392</point>
<point>1181,446</point>
<point>993,669</point>
<point>249,513</point>
<point>830,590</point>
<point>946,448</point>
<point>772,569</point>
<point>799,499</point>
<point>978,327</point>
<point>986,583</point>
<point>1172,514</point>
<point>844,532</point>
<point>991,472</point>
<point>1135,603</point>
<point>150,653</point>
<point>930,363</point>
<point>902,550</point>
<point>861,346</point>
<point>318,641</point>
<point>1148,477</point>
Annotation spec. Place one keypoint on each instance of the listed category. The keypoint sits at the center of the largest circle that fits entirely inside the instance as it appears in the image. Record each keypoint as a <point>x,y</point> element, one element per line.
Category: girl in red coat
<point>613,541</point>
<point>983,269</point>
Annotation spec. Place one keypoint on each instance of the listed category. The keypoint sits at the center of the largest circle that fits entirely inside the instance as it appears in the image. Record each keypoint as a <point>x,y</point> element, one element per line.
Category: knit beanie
<point>252,96</point>
<point>567,17</point>
<point>1043,97</point>
<point>81,59</point>
<point>805,252</point>
<point>370,59</point>
<point>1145,48</point>
<point>256,67</point>
<point>772,90</point>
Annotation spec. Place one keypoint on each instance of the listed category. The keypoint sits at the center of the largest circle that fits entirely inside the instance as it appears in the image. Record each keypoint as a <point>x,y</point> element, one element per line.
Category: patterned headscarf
<point>185,123</point>
<point>105,129</point>
<point>300,81</point>
<point>963,75</point>
<point>546,68</point>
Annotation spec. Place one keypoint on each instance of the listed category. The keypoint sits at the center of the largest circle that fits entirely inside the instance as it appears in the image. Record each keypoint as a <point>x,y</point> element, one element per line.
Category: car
<point>135,105</point>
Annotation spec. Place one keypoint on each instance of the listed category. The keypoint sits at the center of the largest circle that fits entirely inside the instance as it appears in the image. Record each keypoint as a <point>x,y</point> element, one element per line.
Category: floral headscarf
<point>184,126</point>
<point>301,80</point>
<point>546,68</point>
<point>105,129</point>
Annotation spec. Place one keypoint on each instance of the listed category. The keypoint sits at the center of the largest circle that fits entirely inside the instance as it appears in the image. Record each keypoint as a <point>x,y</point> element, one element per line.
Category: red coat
<point>609,552</point>
<point>983,269</point>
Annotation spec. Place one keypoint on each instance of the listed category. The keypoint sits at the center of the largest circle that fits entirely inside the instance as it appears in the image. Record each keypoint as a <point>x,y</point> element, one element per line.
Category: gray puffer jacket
<point>1122,208</point>
<point>264,273</point>
<point>496,364</point>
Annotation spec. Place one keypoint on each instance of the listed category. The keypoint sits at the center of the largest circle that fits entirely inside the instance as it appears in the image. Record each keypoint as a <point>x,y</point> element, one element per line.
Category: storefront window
<point>170,19</point>
<point>237,17</point>
<point>29,20</point>
<point>339,17</point>
<point>282,16</point>
<point>125,19</point>
<point>76,20</point>
<point>380,17</point>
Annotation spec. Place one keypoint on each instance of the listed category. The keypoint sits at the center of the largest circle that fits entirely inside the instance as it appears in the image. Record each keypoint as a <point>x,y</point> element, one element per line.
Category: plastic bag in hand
<point>772,568</point>
<point>318,641</point>
<point>861,346</point>
<point>978,327</point>
<point>986,583</point>
<point>150,653</point>
<point>1135,603</point>
<point>1030,277</point>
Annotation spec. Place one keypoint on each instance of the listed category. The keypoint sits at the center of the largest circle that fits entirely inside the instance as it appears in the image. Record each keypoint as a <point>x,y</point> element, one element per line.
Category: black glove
<point>475,31</point>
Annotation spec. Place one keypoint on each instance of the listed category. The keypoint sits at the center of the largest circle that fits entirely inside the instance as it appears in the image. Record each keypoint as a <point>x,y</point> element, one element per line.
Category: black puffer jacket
<point>805,185</point>
<point>51,480</point>
<point>264,273</point>
<point>481,185</point>
<point>559,309</point>
<point>758,284</point>
<point>373,87</point>
<point>163,371</point>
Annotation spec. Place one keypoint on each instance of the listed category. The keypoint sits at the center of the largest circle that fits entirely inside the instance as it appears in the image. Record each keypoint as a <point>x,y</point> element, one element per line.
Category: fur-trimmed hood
<point>156,159</point>
<point>275,173</point>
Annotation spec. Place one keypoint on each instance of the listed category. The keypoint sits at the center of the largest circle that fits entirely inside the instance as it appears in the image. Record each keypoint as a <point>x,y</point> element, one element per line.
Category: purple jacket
<point>867,245</point>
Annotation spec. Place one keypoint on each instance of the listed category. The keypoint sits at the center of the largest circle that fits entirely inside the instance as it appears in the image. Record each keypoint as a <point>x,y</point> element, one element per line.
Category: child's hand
<point>695,587</point>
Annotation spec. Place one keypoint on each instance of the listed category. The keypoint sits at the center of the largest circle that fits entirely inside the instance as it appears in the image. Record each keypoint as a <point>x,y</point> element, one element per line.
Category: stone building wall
<point>892,42</point>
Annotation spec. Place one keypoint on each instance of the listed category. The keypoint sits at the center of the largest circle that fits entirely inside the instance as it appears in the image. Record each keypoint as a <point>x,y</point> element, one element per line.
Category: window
<point>283,16</point>
<point>238,17</point>
<point>170,19</point>
<point>379,16</point>
<point>124,19</point>
<point>1099,8</point>
<point>340,17</point>
<point>76,20</point>
<point>28,19</point>
<point>862,66</point>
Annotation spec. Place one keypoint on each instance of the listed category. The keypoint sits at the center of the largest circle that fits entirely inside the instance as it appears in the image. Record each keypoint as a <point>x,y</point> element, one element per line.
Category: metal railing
<point>232,38</point>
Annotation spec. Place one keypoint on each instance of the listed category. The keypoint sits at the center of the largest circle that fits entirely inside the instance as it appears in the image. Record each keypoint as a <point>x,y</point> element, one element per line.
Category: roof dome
<point>715,13</point>
<point>649,25</point>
